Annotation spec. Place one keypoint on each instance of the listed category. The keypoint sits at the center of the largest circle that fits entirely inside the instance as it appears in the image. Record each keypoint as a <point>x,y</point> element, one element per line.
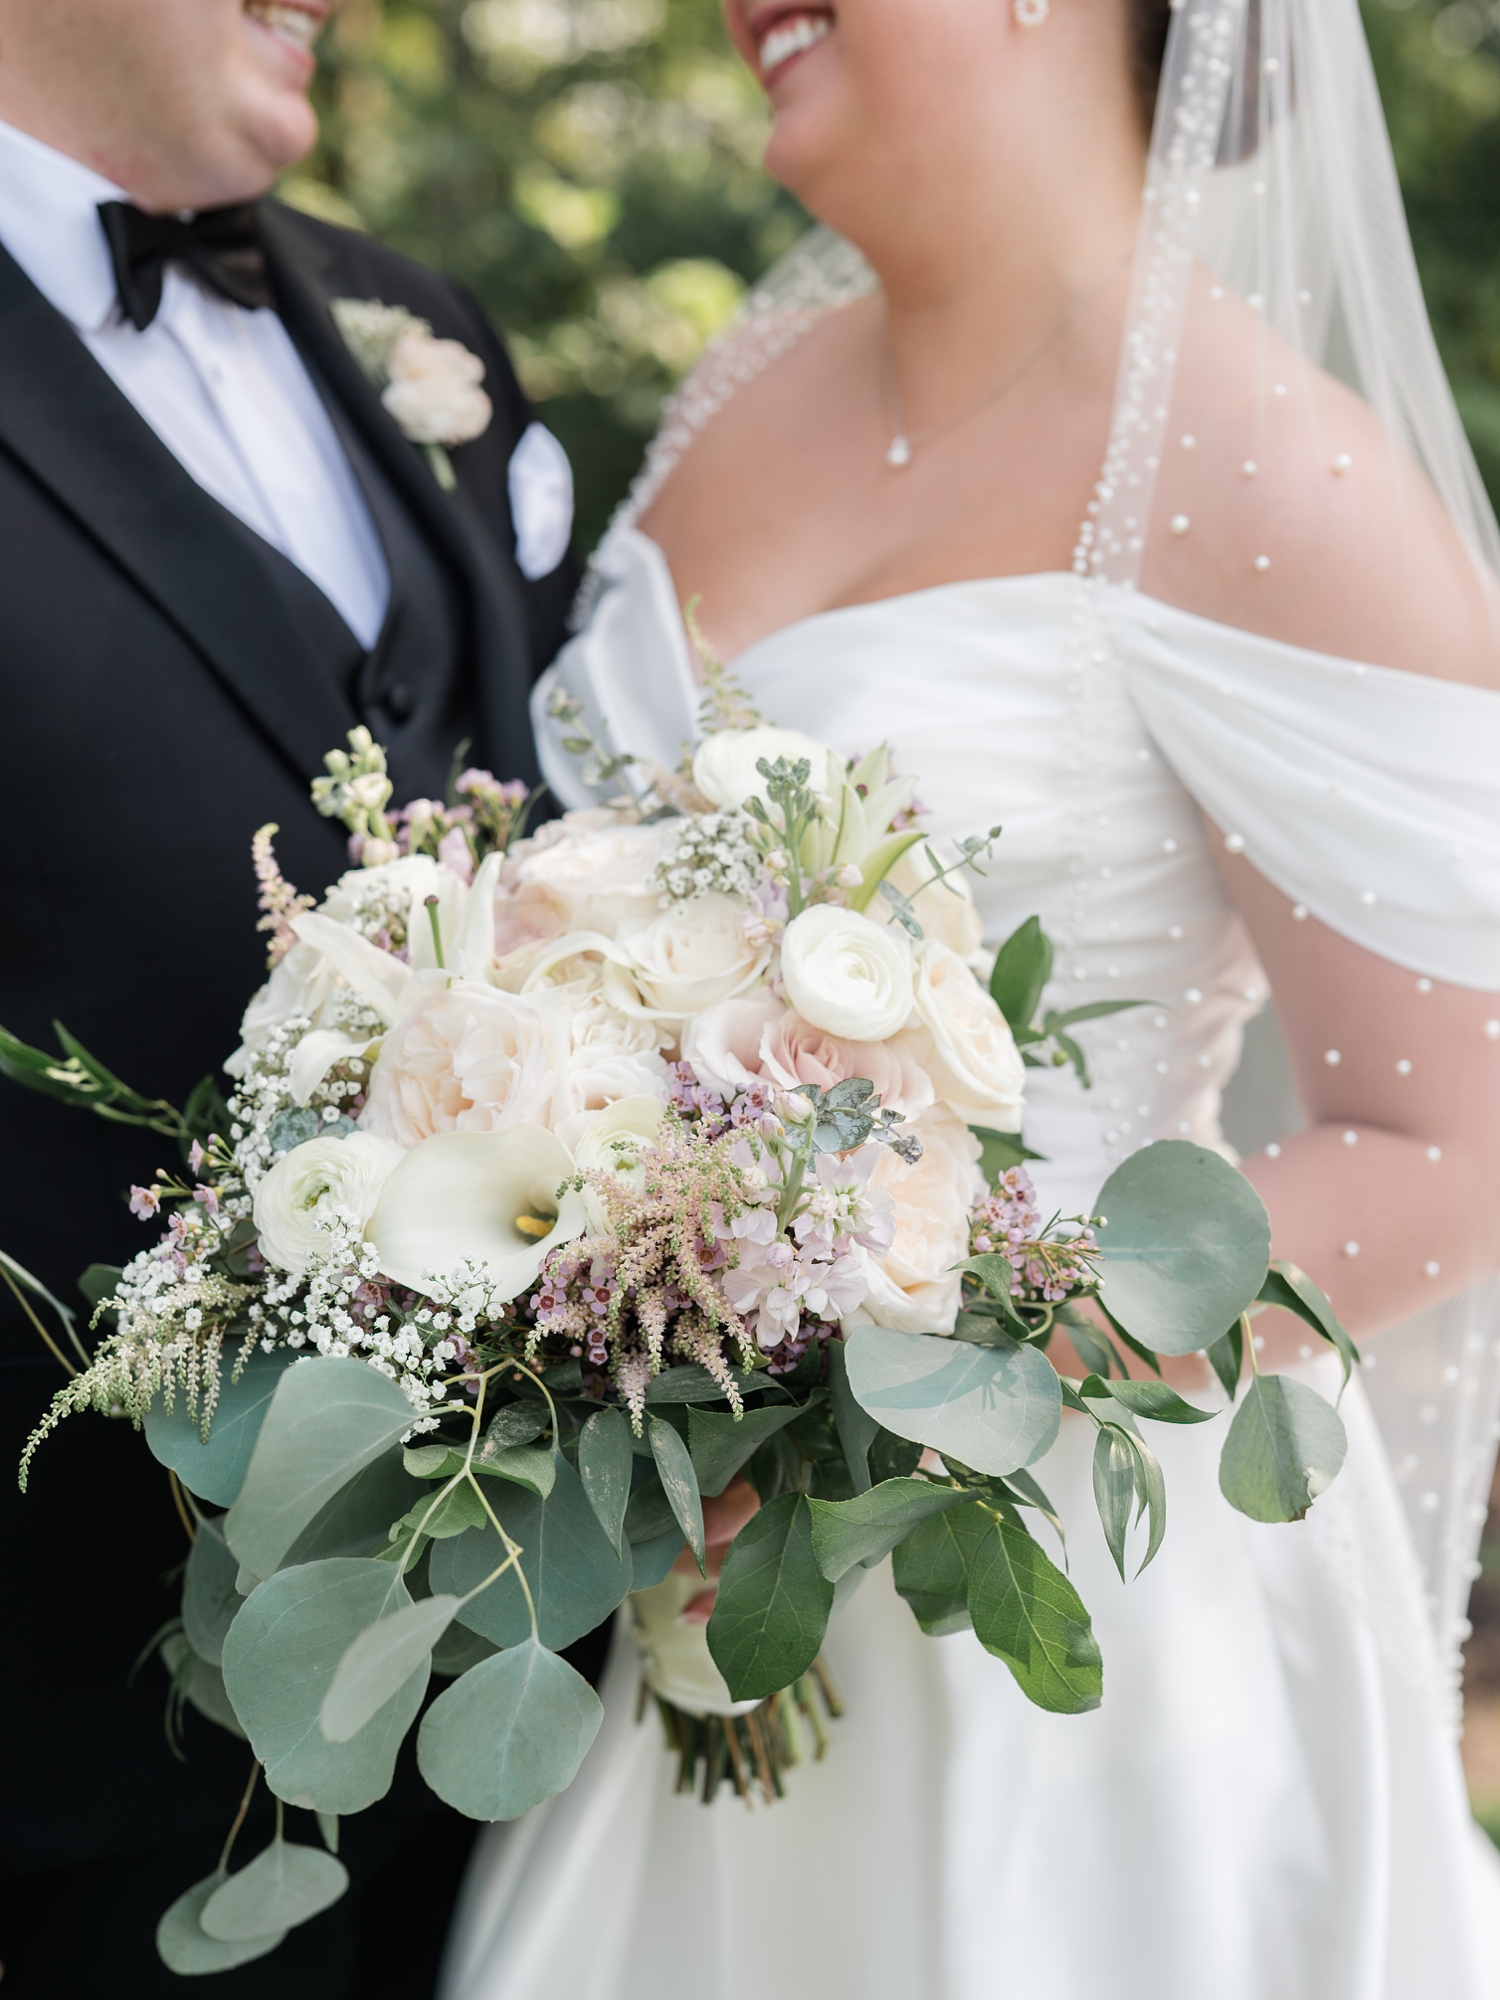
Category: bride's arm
<point>1391,1198</point>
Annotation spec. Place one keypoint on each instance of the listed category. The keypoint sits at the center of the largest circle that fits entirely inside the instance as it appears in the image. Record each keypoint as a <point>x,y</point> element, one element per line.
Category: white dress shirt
<point>224,389</point>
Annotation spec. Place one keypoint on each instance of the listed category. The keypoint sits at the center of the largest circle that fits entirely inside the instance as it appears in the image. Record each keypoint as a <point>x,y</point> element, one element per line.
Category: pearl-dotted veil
<point>1276,347</point>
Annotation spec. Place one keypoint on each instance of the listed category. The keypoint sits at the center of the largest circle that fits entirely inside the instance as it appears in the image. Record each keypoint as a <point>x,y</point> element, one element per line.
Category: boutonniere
<point>430,386</point>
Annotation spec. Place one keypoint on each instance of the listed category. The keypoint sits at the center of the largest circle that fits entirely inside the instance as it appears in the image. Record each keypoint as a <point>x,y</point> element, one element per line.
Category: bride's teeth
<point>790,38</point>
<point>293,24</point>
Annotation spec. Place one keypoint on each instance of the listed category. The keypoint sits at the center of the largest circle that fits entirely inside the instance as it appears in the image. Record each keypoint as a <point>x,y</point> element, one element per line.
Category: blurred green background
<point>590,169</point>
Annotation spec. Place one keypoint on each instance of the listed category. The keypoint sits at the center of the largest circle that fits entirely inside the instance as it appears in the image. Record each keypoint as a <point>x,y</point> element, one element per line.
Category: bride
<point>1147,528</point>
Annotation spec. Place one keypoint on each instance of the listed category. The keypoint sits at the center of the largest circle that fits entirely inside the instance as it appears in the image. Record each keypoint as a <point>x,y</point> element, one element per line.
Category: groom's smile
<point>294,25</point>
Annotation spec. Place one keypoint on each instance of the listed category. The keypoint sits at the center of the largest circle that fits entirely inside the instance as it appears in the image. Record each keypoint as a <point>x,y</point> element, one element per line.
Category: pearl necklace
<point>902,447</point>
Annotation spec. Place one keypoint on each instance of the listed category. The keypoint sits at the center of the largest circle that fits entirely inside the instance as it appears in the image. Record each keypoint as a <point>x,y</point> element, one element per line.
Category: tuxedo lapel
<point>63,417</point>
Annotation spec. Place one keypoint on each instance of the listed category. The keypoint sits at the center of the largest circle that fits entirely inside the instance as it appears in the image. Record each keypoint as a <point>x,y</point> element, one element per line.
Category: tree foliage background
<point>590,169</point>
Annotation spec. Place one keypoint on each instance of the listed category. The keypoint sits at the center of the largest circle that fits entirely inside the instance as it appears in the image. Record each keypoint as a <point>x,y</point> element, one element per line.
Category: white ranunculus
<point>914,1286</point>
<point>846,974</point>
<point>468,1058</point>
<point>486,1198</point>
<point>964,1043</point>
<point>724,764</point>
<point>434,391</point>
<point>594,866</point>
<point>314,1182</point>
<point>692,956</point>
<point>613,1140</point>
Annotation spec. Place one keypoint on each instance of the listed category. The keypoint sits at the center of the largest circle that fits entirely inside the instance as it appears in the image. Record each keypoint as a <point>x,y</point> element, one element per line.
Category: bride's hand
<point>722,1520</point>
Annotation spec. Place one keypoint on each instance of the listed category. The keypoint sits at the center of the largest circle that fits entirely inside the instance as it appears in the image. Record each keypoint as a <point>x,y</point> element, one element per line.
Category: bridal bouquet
<point>573,1177</point>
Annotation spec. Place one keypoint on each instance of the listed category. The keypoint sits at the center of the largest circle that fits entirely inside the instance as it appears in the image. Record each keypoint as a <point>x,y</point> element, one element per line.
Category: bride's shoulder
<point>1285,506</point>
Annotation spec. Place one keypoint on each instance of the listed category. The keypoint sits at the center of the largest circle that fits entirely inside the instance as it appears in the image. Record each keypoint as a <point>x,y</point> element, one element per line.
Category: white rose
<point>724,764</point>
<point>468,1058</point>
<point>312,1183</point>
<point>596,867</point>
<point>434,391</point>
<point>615,1055</point>
<point>914,1286</point>
<point>964,1043</point>
<point>846,974</point>
<point>691,957</point>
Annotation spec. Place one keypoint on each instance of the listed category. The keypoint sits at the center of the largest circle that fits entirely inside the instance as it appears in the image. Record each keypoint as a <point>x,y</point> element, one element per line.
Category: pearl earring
<point>1030,13</point>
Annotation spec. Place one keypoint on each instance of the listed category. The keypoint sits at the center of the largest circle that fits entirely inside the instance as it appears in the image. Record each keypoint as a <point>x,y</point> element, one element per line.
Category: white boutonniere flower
<point>430,386</point>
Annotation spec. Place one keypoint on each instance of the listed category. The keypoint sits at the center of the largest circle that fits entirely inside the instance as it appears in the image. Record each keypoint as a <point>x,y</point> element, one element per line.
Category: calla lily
<point>471,952</point>
<point>486,1198</point>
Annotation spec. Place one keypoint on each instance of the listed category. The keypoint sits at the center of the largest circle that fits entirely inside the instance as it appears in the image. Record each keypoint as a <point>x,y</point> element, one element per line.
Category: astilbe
<point>278,900</point>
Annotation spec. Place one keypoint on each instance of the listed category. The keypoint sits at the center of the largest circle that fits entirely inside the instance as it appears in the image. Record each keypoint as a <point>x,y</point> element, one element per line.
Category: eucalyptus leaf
<point>201,1684</point>
<point>1027,1614</point>
<point>1290,1288</point>
<point>773,1602</point>
<point>511,1733</point>
<point>857,1429</point>
<point>692,1384</point>
<point>1227,1358</point>
<point>674,1467</point>
<point>378,1664</point>
<point>281,1888</point>
<point>328,1827</point>
<point>515,1423</point>
<point>1285,1446</point>
<point>994,1408</point>
<point>1154,1401</point>
<point>281,1653</point>
<point>722,1443</point>
<point>534,1468</point>
<point>893,1457</point>
<point>1184,1246</point>
<point>651,1562</point>
<point>1114,1489</point>
<point>209,1597</point>
<point>648,1514</point>
<point>214,1467</point>
<point>459,1649</point>
<point>356,1520</point>
<point>185,1947</point>
<point>575,1576</point>
<point>605,1463</point>
<point>931,1567</point>
<point>863,1530</point>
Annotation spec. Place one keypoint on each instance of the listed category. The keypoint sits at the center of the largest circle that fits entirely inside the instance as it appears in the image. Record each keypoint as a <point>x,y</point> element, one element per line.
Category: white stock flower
<point>484,1198</point>
<point>468,1058</point>
<point>724,764</point>
<point>964,1043</point>
<point>311,1184</point>
<point>913,1286</point>
<point>846,974</point>
<point>434,391</point>
<point>692,956</point>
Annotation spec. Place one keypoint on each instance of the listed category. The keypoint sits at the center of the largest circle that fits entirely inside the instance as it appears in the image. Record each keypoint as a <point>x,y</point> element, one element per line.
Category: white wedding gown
<point>1269,1804</point>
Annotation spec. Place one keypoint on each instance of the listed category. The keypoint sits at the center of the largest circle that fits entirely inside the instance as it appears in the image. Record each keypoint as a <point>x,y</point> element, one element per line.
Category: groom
<point>219,552</point>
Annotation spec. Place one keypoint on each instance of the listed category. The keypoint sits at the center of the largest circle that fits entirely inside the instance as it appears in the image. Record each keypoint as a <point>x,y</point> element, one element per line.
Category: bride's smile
<point>782,36</point>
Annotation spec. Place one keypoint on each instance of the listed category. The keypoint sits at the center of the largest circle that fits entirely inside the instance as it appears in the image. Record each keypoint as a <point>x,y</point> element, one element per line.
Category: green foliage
<point>379,1663</point>
<point>214,1467</point>
<point>591,173</point>
<point>605,1463</point>
<point>862,1530</point>
<point>281,1888</point>
<point>354,1522</point>
<point>931,1567</point>
<point>994,1407</point>
<point>1291,1289</point>
<point>857,1429</point>
<point>1027,1613</point>
<point>674,1468</point>
<point>772,1608</point>
<point>209,1598</point>
<point>722,1443</point>
<point>185,1947</point>
<point>1284,1447</point>
<point>511,1733</point>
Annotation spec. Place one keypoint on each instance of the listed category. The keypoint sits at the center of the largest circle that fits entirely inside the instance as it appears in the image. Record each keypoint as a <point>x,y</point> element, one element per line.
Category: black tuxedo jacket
<point>158,703</point>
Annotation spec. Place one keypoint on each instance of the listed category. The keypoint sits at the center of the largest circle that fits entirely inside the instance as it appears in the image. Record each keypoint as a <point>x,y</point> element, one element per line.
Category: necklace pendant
<point>899,453</point>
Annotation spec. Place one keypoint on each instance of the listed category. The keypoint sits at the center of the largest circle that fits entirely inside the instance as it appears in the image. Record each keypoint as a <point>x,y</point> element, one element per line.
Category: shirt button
<point>399,702</point>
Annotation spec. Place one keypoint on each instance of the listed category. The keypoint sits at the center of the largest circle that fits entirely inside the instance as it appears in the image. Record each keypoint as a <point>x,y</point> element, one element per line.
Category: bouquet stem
<point>757,1748</point>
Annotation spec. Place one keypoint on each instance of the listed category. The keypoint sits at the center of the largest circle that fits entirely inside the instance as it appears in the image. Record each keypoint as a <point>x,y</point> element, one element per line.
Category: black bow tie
<point>221,244</point>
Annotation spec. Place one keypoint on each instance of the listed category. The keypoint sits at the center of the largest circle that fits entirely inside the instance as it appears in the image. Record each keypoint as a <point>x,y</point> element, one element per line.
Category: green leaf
<point>185,1947</point>
<point>516,1423</point>
<point>1000,1151</point>
<point>605,1463</point>
<point>692,1384</point>
<point>994,1408</point>
<point>931,1567</point>
<point>328,1827</point>
<point>772,1608</point>
<point>534,1468</point>
<point>100,1282</point>
<point>459,1649</point>
<point>282,1652</point>
<point>459,1509</point>
<point>1184,1246</point>
<point>652,1561</point>
<point>379,1663</point>
<point>281,1888</point>
<point>1114,1489</point>
<point>511,1733</point>
<point>1023,965</point>
<point>1025,1491</point>
<point>1027,1614</point>
<point>649,1512</point>
<point>674,1467</point>
<point>893,1457</point>
<point>1284,1447</point>
<point>209,1598</point>
<point>857,1429</point>
<point>200,1683</point>
<point>574,1574</point>
<point>1152,1400</point>
<point>328,1419</point>
<point>1227,1358</point>
<point>1290,1288</point>
<point>721,1443</point>
<point>214,1467</point>
<point>865,1529</point>
<point>356,1520</point>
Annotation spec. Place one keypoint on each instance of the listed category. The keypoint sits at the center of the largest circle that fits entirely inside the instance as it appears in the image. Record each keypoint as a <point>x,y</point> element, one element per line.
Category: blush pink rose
<point>792,1051</point>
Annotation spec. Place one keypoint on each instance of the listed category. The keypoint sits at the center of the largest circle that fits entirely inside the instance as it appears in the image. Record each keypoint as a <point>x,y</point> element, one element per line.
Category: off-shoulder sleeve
<point>629,666</point>
<point>1368,795</point>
